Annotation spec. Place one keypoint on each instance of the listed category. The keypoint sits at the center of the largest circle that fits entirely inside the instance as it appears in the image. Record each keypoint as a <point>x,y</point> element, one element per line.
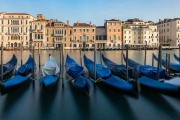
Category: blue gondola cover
<point>146,70</point>
<point>172,65</point>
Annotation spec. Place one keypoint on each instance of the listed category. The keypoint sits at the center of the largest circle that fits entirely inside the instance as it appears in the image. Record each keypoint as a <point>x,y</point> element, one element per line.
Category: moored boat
<point>50,74</point>
<point>77,75</point>
<point>22,75</point>
<point>175,68</point>
<point>8,68</point>
<point>104,75</point>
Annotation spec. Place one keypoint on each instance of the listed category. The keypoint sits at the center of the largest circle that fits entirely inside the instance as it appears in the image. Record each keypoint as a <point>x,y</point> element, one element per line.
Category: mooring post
<point>160,49</point>
<point>179,51</point>
<point>158,65</point>
<point>39,56</point>
<point>80,56</point>
<point>122,55</point>
<point>63,63</point>
<point>145,53</point>
<point>100,56</point>
<point>95,61</point>
<point>152,59</point>
<point>21,54</point>
<point>2,61</point>
<point>60,58</point>
<point>166,64</point>
<point>127,47</point>
<point>33,63</point>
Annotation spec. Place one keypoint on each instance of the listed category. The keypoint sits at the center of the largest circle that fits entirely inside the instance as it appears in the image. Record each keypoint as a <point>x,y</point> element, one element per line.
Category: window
<point>87,30</point>
<point>92,30</point>
<point>118,37</point>
<point>84,30</point>
<point>74,30</point>
<point>114,30</point>
<point>109,30</point>
<point>118,30</point>
<point>80,30</point>
<point>168,30</point>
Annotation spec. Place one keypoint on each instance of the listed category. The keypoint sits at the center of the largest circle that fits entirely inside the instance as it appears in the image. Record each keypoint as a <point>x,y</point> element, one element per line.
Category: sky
<point>95,10</point>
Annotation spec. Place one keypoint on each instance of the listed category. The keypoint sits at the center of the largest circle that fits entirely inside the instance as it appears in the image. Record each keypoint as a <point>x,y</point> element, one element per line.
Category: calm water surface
<point>66,103</point>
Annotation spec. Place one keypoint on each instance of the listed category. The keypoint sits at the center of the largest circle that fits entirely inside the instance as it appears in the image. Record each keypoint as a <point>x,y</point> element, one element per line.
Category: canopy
<point>50,67</point>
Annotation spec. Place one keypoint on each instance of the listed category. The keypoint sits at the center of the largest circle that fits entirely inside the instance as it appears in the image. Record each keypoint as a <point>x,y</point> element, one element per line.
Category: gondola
<point>151,84</point>
<point>8,68</point>
<point>175,68</point>
<point>50,74</point>
<point>77,75</point>
<point>146,70</point>
<point>21,76</point>
<point>104,75</point>
<point>118,70</point>
<point>177,58</point>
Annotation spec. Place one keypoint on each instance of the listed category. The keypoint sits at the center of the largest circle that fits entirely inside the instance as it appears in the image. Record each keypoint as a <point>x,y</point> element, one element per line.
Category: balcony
<point>178,30</point>
<point>37,40</point>
<point>58,35</point>
<point>101,41</point>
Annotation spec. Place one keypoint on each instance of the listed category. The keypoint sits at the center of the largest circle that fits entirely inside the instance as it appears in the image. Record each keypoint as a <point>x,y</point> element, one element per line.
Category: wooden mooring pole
<point>95,61</point>
<point>2,61</point>
<point>145,53</point>
<point>127,48</point>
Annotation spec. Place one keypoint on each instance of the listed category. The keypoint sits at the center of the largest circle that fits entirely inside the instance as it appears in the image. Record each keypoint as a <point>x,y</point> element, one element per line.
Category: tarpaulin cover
<point>27,67</point>
<point>50,67</point>
<point>176,57</point>
<point>15,81</point>
<point>172,65</point>
<point>101,71</point>
<point>72,68</point>
<point>146,70</point>
<point>10,65</point>
<point>120,70</point>
<point>106,76</point>
<point>77,73</point>
<point>48,80</point>
<point>156,85</point>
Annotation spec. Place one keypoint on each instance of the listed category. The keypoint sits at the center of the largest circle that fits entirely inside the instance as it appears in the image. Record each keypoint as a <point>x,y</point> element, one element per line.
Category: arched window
<point>38,36</point>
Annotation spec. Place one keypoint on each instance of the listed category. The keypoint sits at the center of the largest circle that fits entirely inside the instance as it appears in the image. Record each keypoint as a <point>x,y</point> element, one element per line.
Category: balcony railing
<point>38,40</point>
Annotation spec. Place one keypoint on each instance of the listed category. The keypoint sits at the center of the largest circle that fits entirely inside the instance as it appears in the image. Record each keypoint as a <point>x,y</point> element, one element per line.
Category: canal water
<point>66,103</point>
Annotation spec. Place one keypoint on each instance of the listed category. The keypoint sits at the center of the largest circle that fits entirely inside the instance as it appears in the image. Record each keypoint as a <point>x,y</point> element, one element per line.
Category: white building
<point>138,35</point>
<point>169,31</point>
<point>14,29</point>
<point>101,37</point>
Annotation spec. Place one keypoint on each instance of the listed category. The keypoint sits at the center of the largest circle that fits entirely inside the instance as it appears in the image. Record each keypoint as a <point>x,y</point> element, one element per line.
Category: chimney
<point>90,23</point>
<point>77,23</point>
<point>67,22</point>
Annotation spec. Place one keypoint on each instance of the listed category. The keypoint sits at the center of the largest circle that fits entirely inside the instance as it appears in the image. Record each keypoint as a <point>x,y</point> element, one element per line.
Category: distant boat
<point>177,58</point>
<point>145,70</point>
<point>170,87</point>
<point>50,74</point>
<point>174,67</point>
<point>103,75</point>
<point>22,75</point>
<point>8,68</point>
<point>77,75</point>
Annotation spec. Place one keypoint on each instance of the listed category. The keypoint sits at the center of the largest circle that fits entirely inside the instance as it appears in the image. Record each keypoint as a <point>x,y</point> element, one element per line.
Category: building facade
<point>83,35</point>
<point>114,33</point>
<point>138,35</point>
<point>101,37</point>
<point>169,31</point>
<point>14,29</point>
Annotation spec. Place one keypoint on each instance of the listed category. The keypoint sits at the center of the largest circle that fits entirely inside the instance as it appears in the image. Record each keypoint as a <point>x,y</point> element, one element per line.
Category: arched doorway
<point>11,44</point>
<point>15,44</point>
